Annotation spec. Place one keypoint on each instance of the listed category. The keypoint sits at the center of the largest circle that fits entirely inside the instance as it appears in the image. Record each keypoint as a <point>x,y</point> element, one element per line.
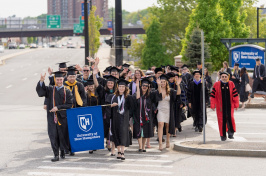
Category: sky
<point>24,8</point>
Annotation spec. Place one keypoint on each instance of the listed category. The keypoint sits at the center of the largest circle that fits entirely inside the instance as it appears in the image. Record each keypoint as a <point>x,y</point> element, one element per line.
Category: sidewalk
<point>190,141</point>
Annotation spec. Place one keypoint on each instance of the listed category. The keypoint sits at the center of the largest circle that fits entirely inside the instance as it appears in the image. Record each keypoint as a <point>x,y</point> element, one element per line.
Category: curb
<point>220,152</point>
<point>3,58</point>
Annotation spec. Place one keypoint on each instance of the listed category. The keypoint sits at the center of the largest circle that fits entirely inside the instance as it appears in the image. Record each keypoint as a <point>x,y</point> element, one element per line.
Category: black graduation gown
<point>81,92</point>
<point>56,132</point>
<point>243,93</point>
<point>236,81</point>
<point>120,122</point>
<point>107,113</point>
<point>98,99</point>
<point>147,119</point>
<point>195,97</point>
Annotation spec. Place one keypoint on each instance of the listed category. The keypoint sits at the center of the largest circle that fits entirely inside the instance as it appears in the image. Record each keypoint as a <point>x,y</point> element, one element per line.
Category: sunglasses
<point>86,70</point>
<point>224,76</point>
<point>145,85</point>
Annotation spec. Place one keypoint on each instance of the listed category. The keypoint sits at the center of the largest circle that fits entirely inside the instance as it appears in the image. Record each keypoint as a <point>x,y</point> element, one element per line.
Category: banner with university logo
<point>85,126</point>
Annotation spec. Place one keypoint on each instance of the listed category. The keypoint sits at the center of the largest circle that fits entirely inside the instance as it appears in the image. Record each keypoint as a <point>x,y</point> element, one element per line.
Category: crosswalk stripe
<point>116,164</point>
<point>64,174</point>
<point>103,169</point>
<point>112,159</point>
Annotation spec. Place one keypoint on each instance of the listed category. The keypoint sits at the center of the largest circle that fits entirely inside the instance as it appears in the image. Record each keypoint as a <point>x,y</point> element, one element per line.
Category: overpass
<point>58,32</point>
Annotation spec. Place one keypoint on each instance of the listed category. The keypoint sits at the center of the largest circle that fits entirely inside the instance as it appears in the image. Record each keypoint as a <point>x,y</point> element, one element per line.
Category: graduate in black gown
<point>58,100</point>
<point>78,92</point>
<point>143,118</point>
<point>236,77</point>
<point>195,99</point>
<point>121,102</point>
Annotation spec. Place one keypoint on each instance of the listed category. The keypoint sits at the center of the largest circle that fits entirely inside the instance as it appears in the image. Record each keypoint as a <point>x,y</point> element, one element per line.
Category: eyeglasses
<point>86,70</point>
<point>145,85</point>
<point>224,76</point>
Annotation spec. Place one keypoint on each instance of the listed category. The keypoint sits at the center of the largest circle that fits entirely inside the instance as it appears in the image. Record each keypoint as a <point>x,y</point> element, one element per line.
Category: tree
<point>209,17</point>
<point>95,24</point>
<point>154,52</point>
<point>135,51</point>
<point>231,12</point>
<point>174,18</point>
<point>193,51</point>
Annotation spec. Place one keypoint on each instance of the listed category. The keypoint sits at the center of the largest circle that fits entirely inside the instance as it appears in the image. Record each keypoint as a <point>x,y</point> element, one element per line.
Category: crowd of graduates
<point>139,104</point>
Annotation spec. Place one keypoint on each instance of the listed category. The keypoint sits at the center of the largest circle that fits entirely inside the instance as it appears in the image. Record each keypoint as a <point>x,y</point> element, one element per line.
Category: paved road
<point>25,148</point>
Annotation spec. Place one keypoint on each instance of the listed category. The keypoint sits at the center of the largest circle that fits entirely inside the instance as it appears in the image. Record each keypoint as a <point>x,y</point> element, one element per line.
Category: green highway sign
<point>81,22</point>
<point>53,21</point>
<point>78,28</point>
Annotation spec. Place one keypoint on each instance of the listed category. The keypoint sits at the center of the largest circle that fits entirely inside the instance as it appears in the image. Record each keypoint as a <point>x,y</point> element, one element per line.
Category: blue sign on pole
<point>82,9</point>
<point>245,55</point>
<point>85,127</point>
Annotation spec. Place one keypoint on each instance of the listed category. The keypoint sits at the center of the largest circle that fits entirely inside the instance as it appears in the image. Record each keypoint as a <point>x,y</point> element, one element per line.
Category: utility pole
<point>86,31</point>
<point>118,33</point>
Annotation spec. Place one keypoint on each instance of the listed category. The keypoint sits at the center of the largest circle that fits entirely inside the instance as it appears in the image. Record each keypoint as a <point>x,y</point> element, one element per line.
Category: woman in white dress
<point>166,109</point>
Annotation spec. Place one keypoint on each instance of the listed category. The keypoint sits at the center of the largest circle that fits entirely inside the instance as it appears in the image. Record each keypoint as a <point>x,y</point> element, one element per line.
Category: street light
<point>258,21</point>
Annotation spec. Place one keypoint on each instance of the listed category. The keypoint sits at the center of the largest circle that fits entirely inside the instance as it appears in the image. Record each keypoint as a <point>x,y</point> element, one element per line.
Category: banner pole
<point>203,84</point>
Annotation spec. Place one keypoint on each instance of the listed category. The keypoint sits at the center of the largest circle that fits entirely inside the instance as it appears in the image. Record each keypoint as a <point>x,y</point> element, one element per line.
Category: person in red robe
<point>224,98</point>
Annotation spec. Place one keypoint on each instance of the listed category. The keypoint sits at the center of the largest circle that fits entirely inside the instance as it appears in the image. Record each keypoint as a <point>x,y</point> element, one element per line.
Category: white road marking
<point>9,86</point>
<point>116,164</point>
<point>65,174</point>
<point>107,169</point>
<point>24,79</point>
<point>112,159</point>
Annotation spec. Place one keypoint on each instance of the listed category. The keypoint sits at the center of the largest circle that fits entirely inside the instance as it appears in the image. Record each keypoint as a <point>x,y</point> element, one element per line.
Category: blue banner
<point>85,126</point>
<point>245,55</point>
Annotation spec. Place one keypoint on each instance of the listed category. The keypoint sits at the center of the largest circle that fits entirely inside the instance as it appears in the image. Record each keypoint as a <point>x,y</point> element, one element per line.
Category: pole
<point>118,33</point>
<point>86,31</point>
<point>258,23</point>
<point>203,83</point>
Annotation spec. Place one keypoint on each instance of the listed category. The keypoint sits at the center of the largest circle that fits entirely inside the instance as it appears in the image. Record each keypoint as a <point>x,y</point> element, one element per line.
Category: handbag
<point>247,88</point>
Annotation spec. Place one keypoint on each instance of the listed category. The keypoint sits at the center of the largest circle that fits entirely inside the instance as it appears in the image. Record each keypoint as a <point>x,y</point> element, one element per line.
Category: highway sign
<point>78,29</point>
<point>53,21</point>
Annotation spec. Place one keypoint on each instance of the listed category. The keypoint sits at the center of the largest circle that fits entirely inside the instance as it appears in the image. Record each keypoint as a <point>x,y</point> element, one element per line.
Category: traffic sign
<point>53,21</point>
<point>81,22</point>
<point>78,28</point>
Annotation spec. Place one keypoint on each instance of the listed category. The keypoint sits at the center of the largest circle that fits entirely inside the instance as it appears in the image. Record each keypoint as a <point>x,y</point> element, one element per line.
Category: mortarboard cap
<point>170,75</point>
<point>110,78</point>
<point>71,71</point>
<point>122,82</point>
<point>183,66</point>
<point>89,82</point>
<point>236,64</point>
<point>165,77</point>
<point>197,71</point>
<point>114,69</point>
<point>258,59</point>
<point>199,63</point>
<point>145,80</point>
<point>58,74</point>
<point>174,68</point>
<point>62,65</point>
<point>221,73</point>
<point>158,69</point>
<point>126,65</point>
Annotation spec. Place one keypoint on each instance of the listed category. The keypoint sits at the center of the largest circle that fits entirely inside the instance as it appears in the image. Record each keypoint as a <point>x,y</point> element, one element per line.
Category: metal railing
<point>40,24</point>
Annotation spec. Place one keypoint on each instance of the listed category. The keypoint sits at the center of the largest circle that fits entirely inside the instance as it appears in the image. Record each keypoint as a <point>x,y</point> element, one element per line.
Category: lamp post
<point>258,21</point>
<point>86,31</point>
<point>118,33</point>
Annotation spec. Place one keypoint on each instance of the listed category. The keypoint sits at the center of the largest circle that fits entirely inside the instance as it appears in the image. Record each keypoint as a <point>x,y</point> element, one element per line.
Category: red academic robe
<point>216,101</point>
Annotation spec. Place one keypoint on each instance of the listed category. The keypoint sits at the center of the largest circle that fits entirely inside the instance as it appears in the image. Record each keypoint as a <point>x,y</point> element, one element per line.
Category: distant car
<point>33,27</point>
<point>21,46</point>
<point>33,45</point>
<point>12,45</point>
<point>44,45</point>
<point>2,49</point>
<point>71,45</point>
<point>82,46</point>
<point>52,45</point>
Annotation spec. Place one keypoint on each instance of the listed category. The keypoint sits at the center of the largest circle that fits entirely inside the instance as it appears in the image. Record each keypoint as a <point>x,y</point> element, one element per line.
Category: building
<point>70,10</point>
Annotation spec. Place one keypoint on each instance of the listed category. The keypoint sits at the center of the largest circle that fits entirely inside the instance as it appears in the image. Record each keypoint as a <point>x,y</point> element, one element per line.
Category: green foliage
<point>154,53</point>
<point>174,18</point>
<point>193,51</point>
<point>135,51</point>
<point>95,24</point>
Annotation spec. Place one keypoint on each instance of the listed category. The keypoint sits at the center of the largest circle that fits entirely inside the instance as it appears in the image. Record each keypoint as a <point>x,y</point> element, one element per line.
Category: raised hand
<point>78,67</point>
<point>178,80</point>
<point>50,71</point>
<point>97,60</point>
<point>90,59</point>
<point>158,81</point>
<point>95,71</point>
<point>42,77</point>
<point>137,83</point>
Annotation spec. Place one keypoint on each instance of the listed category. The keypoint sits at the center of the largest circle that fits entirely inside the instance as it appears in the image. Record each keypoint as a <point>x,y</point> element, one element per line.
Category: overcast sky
<point>23,8</point>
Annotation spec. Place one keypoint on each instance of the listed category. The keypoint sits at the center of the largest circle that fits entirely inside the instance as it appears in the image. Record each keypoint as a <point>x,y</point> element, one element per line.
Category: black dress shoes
<point>223,138</point>
<point>179,129</point>
<point>62,154</point>
<point>72,153</point>
<point>200,129</point>
<point>56,158</point>
<point>231,137</point>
